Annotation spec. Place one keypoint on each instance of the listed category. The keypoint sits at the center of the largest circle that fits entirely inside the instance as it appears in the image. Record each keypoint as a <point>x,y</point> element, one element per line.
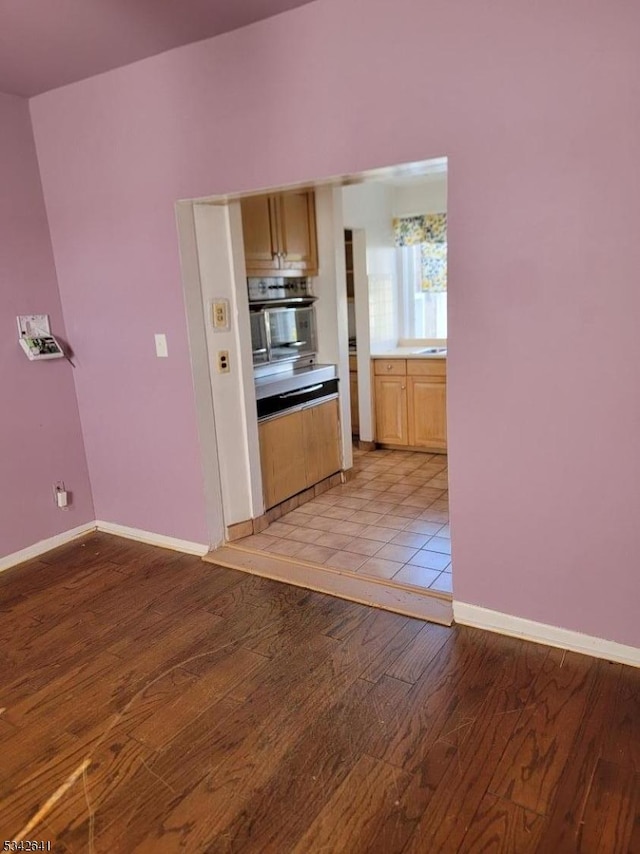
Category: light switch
<point>220,314</point>
<point>161,345</point>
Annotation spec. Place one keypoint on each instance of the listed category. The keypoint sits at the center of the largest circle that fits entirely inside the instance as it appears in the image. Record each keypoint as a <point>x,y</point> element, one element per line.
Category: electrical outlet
<point>223,362</point>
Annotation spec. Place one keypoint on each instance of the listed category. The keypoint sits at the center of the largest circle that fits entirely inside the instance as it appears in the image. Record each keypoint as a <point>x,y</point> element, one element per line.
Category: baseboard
<point>152,539</point>
<point>43,546</point>
<point>505,624</point>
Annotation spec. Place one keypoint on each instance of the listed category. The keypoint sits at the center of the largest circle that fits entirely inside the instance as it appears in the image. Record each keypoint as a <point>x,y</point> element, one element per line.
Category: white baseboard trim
<point>152,539</point>
<point>43,546</point>
<point>505,624</point>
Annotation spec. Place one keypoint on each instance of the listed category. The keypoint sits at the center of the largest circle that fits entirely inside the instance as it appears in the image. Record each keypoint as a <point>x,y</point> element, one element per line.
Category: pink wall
<point>536,107</point>
<point>40,437</point>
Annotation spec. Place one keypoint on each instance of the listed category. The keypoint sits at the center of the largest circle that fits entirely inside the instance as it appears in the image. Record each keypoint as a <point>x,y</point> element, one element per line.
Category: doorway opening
<point>382,518</point>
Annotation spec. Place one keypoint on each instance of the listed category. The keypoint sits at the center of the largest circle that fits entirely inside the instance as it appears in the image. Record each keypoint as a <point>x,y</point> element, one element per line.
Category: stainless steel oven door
<point>292,332</point>
<point>259,341</point>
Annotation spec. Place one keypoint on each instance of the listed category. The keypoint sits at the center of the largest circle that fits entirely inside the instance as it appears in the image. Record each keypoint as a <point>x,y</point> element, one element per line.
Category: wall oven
<point>283,323</point>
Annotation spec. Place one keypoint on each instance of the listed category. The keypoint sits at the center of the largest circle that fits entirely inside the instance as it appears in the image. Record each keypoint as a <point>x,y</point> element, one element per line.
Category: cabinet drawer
<point>390,367</point>
<point>427,367</point>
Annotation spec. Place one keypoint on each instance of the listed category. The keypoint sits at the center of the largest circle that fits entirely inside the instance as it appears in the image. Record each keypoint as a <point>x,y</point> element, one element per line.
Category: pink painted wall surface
<point>40,436</point>
<point>536,106</point>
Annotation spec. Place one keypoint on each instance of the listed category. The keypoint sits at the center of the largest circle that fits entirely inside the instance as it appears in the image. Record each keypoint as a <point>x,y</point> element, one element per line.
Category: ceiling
<point>45,44</point>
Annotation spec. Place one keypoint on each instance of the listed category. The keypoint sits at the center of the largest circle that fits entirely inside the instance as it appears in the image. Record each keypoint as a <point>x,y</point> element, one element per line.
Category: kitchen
<point>281,256</point>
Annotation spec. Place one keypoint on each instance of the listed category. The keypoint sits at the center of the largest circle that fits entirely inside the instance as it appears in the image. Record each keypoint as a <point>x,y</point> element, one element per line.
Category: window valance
<point>428,228</point>
<point>429,232</point>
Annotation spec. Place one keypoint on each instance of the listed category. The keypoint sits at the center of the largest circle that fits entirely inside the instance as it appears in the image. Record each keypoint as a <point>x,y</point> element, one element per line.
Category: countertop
<point>292,379</point>
<point>407,353</point>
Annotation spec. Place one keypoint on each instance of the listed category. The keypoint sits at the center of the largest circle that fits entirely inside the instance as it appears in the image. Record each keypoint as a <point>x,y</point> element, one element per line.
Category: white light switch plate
<point>161,345</point>
<point>220,314</point>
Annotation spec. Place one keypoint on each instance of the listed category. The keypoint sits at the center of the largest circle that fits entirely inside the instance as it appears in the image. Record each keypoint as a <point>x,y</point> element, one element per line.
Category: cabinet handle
<point>402,387</point>
<point>306,390</point>
<point>389,367</point>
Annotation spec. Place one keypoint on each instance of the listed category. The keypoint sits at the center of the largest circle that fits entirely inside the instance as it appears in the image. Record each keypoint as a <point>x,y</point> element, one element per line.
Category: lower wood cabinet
<point>391,410</point>
<point>298,450</point>
<point>427,413</point>
<point>411,403</point>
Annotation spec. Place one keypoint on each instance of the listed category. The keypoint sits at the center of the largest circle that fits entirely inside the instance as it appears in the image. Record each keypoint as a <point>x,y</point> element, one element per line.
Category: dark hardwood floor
<point>154,703</point>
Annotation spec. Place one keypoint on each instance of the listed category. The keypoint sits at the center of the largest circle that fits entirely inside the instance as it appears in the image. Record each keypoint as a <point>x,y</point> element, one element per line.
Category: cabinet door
<point>353,392</point>
<point>428,412</point>
<point>391,410</point>
<point>259,232</point>
<point>321,427</point>
<point>296,230</point>
<point>282,455</point>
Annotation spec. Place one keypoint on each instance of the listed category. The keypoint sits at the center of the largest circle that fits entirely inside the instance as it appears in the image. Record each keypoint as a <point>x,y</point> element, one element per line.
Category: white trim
<point>505,624</point>
<point>43,546</point>
<point>152,539</point>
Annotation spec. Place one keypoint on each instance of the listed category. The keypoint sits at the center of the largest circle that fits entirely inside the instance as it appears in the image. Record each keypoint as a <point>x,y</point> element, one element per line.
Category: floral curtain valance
<point>430,233</point>
<point>428,228</point>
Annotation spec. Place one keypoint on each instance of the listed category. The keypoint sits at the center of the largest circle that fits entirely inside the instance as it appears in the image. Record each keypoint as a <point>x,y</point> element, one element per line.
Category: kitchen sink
<point>430,351</point>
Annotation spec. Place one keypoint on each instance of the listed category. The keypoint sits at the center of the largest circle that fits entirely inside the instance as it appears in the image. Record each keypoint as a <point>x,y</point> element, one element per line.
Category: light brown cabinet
<point>411,404</point>
<point>391,410</point>
<point>298,450</point>
<point>280,234</point>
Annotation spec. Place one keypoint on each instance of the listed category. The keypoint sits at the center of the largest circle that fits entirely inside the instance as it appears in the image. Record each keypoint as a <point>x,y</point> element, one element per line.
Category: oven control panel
<point>277,288</point>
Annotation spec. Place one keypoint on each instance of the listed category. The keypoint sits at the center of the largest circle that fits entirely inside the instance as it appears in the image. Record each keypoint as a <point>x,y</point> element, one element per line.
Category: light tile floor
<point>391,520</point>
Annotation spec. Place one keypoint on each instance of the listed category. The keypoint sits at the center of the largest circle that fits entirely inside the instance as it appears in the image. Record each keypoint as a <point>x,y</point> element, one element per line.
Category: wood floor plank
<point>623,742</point>
<point>219,678</point>
<point>531,767</point>
<point>380,665</point>
<point>266,740</point>
<point>563,828</point>
<point>502,827</point>
<point>313,767</point>
<point>221,712</point>
<point>278,804</point>
<point>611,810</point>
<point>362,812</point>
<point>131,807</point>
<point>480,741</point>
<point>436,714</point>
<point>419,653</point>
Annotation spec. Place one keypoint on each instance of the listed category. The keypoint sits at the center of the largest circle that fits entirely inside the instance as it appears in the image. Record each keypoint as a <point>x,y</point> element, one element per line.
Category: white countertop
<point>293,378</point>
<point>407,353</point>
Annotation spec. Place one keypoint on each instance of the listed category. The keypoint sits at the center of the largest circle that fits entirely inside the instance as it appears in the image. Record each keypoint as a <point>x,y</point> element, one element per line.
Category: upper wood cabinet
<point>280,234</point>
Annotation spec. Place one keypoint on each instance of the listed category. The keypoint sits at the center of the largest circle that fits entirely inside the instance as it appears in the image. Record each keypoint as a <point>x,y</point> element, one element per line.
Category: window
<point>423,312</point>
<point>422,253</point>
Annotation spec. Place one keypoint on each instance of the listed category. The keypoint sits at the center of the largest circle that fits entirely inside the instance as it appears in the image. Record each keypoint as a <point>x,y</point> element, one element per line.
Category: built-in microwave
<point>283,333</point>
